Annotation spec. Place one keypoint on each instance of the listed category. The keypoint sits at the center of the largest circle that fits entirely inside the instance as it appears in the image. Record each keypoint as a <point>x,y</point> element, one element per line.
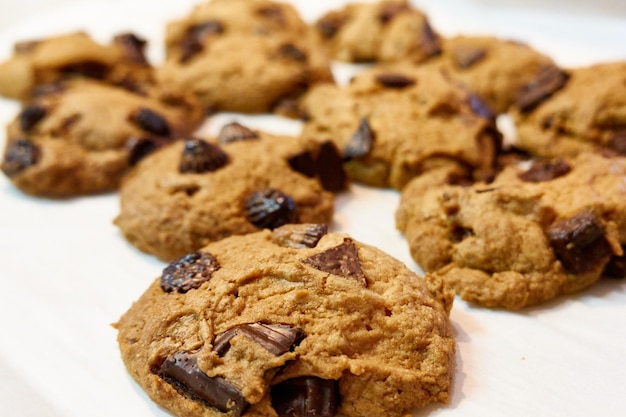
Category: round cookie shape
<point>588,114</point>
<point>291,322</point>
<point>36,63</point>
<point>169,207</point>
<point>397,121</point>
<point>82,137</point>
<point>384,31</point>
<point>541,229</point>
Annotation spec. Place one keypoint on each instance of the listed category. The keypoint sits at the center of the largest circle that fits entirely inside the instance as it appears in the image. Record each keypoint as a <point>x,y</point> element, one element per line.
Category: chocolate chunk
<point>299,236</point>
<point>390,10</point>
<point>189,272</point>
<point>291,51</point>
<point>547,81</point>
<point>361,142</point>
<point>545,170</point>
<point>329,25</point>
<point>616,268</point>
<point>89,69</point>
<point>139,148</point>
<point>192,42</point>
<point>391,80</point>
<point>181,370</point>
<point>342,260</point>
<point>276,338</point>
<point>233,132</point>
<point>30,116</point>
<point>618,142</point>
<point>579,242</point>
<point>20,154</point>
<point>150,121</point>
<point>133,47</point>
<point>466,56</point>
<point>303,163</point>
<point>459,233</point>
<point>306,396</point>
<point>200,156</point>
<point>429,42</point>
<point>329,167</point>
<point>270,208</point>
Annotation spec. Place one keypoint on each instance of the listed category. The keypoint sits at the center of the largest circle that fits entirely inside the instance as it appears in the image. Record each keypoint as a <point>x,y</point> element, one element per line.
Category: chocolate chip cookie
<point>36,63</point>
<point>290,322</point>
<point>383,31</point>
<point>589,113</point>
<point>540,229</point>
<point>244,56</point>
<point>81,136</point>
<point>395,122</point>
<point>198,191</point>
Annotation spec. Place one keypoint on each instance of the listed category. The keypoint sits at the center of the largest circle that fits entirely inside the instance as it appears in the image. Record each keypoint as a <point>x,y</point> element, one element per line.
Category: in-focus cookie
<point>245,56</point>
<point>393,123</point>
<point>589,113</point>
<point>82,136</point>
<point>383,31</point>
<point>502,73</point>
<point>195,192</point>
<point>539,230</point>
<point>45,61</point>
<point>293,322</point>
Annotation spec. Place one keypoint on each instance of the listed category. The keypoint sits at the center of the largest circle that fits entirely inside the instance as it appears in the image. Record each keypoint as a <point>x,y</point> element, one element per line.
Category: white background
<point>66,273</point>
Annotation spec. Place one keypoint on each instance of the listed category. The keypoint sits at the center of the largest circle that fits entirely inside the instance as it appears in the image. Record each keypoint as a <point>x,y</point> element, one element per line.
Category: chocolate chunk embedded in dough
<point>541,171</point>
<point>392,80</point>
<point>20,154</point>
<point>151,122</point>
<point>299,236</point>
<point>547,81</point>
<point>270,208</point>
<point>361,142</point>
<point>306,396</point>
<point>189,272</point>
<point>200,156</point>
<point>276,338</point>
<point>233,132</point>
<point>342,260</point>
<point>30,116</point>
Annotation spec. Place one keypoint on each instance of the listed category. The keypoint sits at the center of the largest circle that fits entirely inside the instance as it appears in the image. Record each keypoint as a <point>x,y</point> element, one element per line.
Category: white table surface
<point>66,273</point>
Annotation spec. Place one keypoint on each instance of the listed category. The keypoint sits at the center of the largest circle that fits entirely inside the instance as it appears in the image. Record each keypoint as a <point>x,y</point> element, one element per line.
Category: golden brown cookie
<point>195,192</point>
<point>290,322</point>
<point>395,122</point>
<point>82,136</point>
<point>540,229</point>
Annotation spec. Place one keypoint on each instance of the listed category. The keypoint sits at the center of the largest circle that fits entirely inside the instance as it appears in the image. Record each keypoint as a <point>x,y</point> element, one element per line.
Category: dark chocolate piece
<point>30,116</point>
<point>306,396</point>
<point>20,154</point>
<point>189,272</point>
<point>361,142</point>
<point>548,80</point>
<point>139,148</point>
<point>233,132</point>
<point>299,236</point>
<point>200,156</point>
<point>192,42</point>
<point>342,260</point>
<point>391,80</point>
<point>270,208</point>
<point>329,167</point>
<point>303,163</point>
<point>133,46</point>
<point>89,69</point>
<point>545,170</point>
<point>151,122</point>
<point>616,268</point>
<point>276,338</point>
<point>466,56</point>
<point>459,233</point>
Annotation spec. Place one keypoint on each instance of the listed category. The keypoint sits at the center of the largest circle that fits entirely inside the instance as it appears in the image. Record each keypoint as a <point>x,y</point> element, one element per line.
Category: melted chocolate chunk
<point>466,56</point>
<point>89,69</point>
<point>459,233</point>
<point>616,268</point>
<point>139,148</point>
<point>189,272</point>
<point>200,156</point>
<point>303,163</point>
<point>429,42</point>
<point>192,41</point>
<point>361,142</point>
<point>133,46</point>
<point>291,51</point>
<point>299,236</point>
<point>618,142</point>
<point>579,242</point>
<point>329,25</point>
<point>342,260</point>
<point>151,122</point>
<point>20,154</point>
<point>30,116</point>
<point>391,80</point>
<point>276,338</point>
<point>233,132</point>
<point>181,370</point>
<point>542,170</point>
<point>329,167</point>
<point>548,80</point>
<point>306,396</point>
<point>390,10</point>
<point>270,208</point>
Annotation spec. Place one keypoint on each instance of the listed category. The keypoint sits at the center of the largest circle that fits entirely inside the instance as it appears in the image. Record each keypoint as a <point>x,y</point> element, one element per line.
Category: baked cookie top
<point>397,121</point>
<point>540,229</point>
<point>194,192</point>
<point>245,56</point>
<point>589,113</point>
<point>82,136</point>
<point>270,323</point>
<point>383,31</point>
<point>36,63</point>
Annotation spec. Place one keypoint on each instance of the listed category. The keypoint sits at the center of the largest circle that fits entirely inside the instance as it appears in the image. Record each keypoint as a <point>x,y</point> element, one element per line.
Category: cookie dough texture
<point>245,56</point>
<point>382,341</point>
<point>82,136</point>
<point>589,113</point>
<point>384,31</point>
<point>395,122</point>
<point>168,213</point>
<point>537,231</point>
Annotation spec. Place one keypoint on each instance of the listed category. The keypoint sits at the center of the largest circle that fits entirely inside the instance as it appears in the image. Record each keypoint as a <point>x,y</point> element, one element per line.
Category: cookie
<point>384,31</point>
<point>539,230</point>
<point>588,114</point>
<point>395,122</point>
<point>195,192</point>
<point>244,56</point>
<point>290,322</point>
<point>82,136</point>
<point>502,73</point>
<point>45,61</point>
